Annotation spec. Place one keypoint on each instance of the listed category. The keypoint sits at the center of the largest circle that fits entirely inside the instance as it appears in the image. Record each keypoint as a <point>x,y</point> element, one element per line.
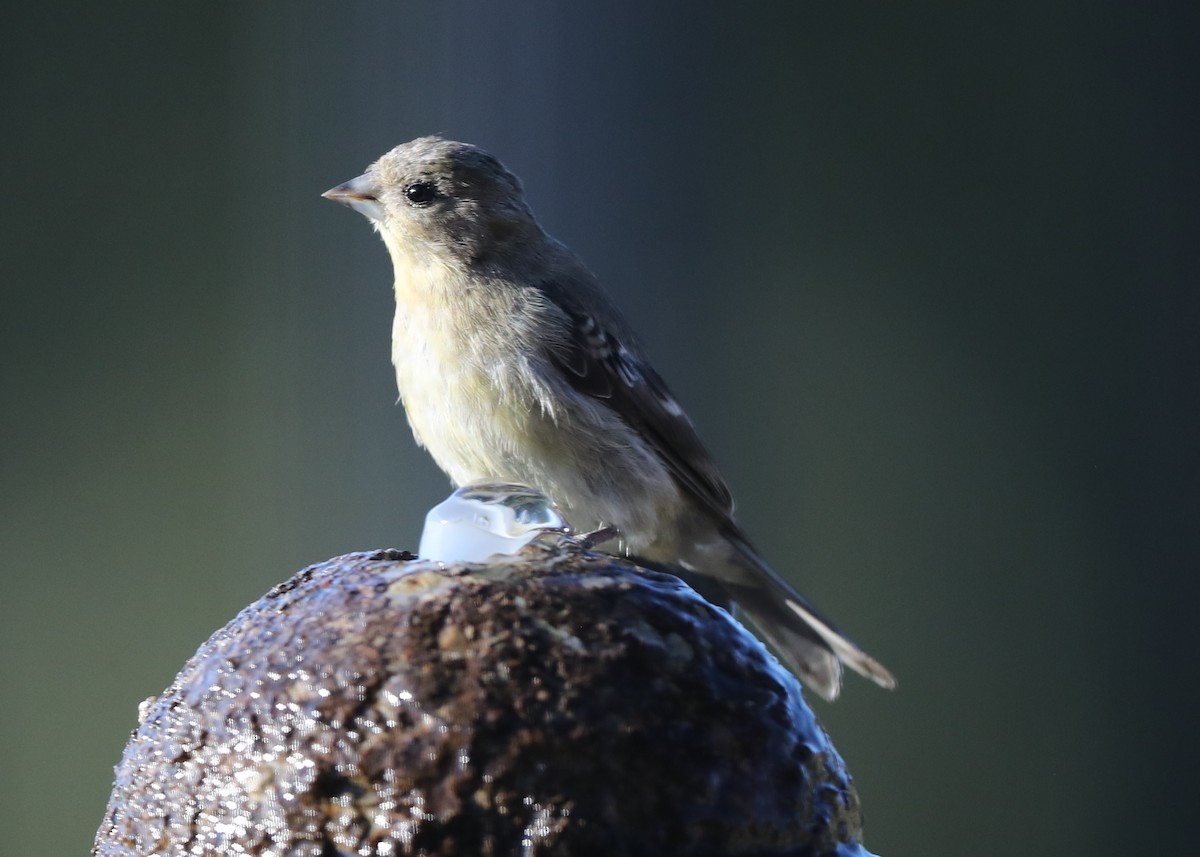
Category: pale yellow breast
<point>482,410</point>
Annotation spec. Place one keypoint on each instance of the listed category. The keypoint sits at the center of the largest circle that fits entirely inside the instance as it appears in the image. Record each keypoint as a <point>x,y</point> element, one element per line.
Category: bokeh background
<point>926,278</point>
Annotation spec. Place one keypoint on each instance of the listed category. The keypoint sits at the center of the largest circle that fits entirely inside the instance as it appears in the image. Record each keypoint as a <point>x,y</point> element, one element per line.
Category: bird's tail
<point>806,642</point>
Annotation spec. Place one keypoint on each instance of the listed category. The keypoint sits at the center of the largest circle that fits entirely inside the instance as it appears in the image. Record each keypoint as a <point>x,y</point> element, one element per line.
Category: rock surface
<point>554,702</point>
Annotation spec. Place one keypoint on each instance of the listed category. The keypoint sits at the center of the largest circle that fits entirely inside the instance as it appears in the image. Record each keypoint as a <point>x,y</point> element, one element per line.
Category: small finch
<point>514,365</point>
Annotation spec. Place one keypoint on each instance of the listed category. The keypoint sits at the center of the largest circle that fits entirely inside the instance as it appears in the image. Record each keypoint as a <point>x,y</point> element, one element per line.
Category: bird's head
<point>443,201</point>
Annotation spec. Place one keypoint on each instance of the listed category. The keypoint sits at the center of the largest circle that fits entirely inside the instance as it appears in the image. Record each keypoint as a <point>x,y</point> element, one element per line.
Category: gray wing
<point>595,361</point>
<point>599,365</point>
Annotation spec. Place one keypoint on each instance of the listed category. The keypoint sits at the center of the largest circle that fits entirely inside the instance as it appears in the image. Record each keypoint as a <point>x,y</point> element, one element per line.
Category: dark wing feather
<point>599,365</point>
<point>595,361</point>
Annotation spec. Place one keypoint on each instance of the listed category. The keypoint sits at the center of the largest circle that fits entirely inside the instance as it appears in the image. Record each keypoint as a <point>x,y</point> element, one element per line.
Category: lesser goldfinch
<point>513,364</point>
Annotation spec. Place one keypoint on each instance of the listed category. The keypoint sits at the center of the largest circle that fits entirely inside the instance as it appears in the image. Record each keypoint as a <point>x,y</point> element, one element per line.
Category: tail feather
<point>847,650</point>
<point>805,641</point>
<point>799,648</point>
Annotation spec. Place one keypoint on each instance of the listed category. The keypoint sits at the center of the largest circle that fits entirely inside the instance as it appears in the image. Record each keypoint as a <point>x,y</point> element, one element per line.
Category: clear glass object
<point>483,519</point>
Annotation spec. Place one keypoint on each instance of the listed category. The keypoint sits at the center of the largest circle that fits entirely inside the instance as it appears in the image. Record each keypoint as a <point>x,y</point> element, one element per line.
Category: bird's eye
<point>420,193</point>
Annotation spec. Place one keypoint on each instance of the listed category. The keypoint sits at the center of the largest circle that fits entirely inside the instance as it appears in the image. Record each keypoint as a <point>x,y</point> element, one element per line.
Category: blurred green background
<point>924,277</point>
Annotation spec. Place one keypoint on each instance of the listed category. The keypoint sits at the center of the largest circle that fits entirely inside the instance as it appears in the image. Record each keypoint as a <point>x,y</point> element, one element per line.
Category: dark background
<point>924,277</point>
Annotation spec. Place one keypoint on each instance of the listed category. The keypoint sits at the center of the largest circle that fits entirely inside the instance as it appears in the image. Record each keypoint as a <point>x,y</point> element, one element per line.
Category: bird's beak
<point>361,194</point>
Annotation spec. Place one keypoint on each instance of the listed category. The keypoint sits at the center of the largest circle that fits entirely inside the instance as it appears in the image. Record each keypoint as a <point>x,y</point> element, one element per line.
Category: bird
<point>514,364</point>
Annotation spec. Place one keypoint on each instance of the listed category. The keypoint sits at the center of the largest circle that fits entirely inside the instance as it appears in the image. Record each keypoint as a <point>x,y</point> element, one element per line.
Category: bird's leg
<point>597,537</point>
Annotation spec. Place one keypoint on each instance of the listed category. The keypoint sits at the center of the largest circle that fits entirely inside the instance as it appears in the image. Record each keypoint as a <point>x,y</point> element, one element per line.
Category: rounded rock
<point>554,702</point>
